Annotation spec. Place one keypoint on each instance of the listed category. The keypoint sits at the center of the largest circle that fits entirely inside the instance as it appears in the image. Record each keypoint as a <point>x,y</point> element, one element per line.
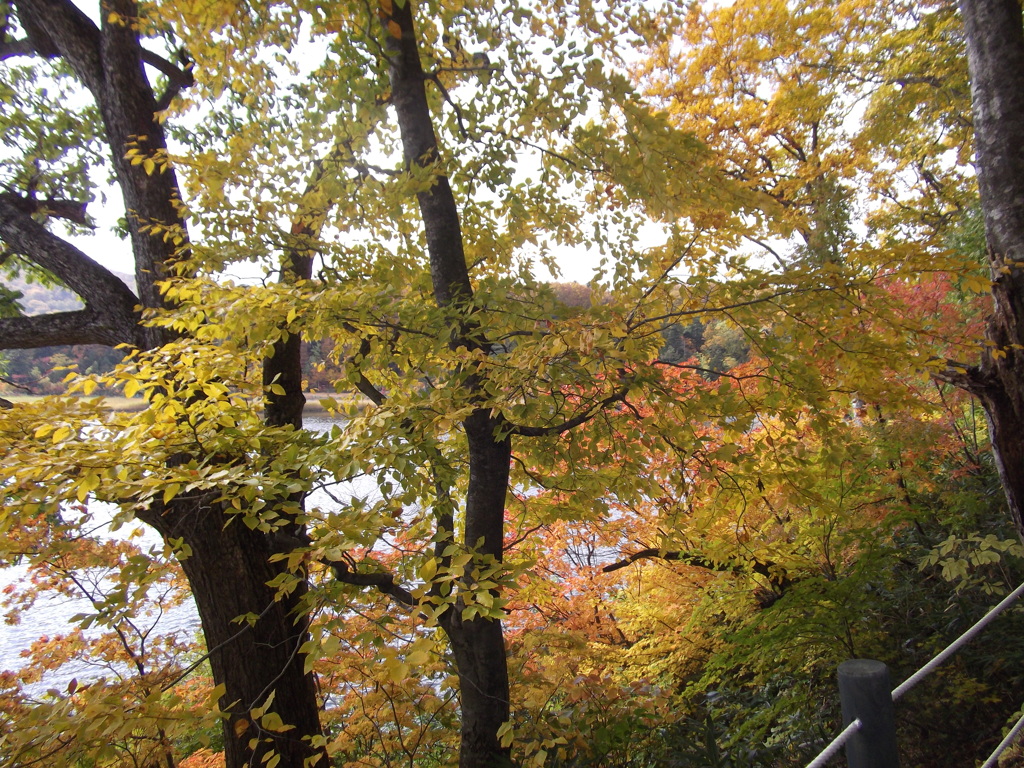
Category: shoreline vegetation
<point>314,407</point>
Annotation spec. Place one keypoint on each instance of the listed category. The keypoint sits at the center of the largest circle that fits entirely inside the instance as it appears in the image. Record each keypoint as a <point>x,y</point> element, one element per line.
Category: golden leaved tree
<point>399,189</point>
<point>398,170</point>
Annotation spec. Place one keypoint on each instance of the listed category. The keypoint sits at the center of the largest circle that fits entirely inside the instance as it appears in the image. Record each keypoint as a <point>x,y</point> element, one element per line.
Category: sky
<point>106,248</point>
<point>576,265</point>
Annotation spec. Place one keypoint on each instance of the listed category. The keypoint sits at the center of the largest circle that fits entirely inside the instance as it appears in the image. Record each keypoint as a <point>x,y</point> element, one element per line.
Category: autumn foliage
<point>637,522</point>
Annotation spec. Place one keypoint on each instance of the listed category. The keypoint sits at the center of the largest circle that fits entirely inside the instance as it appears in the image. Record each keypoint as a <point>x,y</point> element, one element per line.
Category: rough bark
<point>995,47</point>
<point>228,571</point>
<point>284,365</point>
<point>109,62</point>
<point>477,644</point>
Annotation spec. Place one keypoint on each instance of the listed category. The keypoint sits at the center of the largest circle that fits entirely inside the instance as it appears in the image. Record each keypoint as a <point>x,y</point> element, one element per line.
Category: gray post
<point>865,692</point>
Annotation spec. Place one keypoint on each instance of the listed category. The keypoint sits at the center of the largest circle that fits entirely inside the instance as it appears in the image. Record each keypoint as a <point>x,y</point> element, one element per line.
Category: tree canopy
<point>545,521</point>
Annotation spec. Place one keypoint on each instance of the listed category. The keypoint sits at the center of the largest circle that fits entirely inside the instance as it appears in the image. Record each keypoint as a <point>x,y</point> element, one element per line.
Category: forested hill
<point>38,299</point>
<point>717,345</point>
<point>33,370</point>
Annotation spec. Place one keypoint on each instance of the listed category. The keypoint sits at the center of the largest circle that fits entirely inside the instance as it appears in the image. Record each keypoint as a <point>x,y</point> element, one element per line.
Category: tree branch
<point>109,316</point>
<point>969,378</point>
<point>8,382</point>
<point>174,73</point>
<point>13,48</point>
<point>767,569</point>
<point>85,326</point>
<point>59,28</point>
<point>382,580</point>
<point>177,78</point>
<point>618,396</point>
<point>71,210</point>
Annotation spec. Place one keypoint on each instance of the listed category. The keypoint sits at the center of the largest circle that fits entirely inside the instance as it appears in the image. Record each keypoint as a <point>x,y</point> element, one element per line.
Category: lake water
<point>52,615</point>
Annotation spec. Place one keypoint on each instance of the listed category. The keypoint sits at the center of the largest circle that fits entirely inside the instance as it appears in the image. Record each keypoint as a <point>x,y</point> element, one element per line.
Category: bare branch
<point>967,377</point>
<point>70,210</point>
<point>433,77</point>
<point>86,326</point>
<point>709,371</point>
<point>183,77</point>
<point>13,48</point>
<point>661,279</point>
<point>708,310</point>
<point>178,79</point>
<point>363,384</point>
<point>8,382</point>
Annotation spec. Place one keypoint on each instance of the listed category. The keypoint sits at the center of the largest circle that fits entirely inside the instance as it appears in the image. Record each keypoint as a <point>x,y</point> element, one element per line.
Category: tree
<point>782,108</point>
<point>812,102</point>
<point>494,411</point>
<point>441,325</point>
<point>48,179</point>
<point>115,656</point>
<point>994,35</point>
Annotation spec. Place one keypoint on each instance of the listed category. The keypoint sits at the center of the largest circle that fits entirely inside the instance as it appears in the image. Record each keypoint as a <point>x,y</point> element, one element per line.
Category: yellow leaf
<point>506,733</point>
<point>171,491</point>
<point>330,646</point>
<point>273,722</point>
<point>418,658</point>
<point>429,569</point>
<point>396,669</point>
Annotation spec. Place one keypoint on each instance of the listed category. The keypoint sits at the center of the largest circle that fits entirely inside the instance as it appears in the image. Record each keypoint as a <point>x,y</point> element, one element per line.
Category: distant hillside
<point>39,299</point>
<point>39,371</point>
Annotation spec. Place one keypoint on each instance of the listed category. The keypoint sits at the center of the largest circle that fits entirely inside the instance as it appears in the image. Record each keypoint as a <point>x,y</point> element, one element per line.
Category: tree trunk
<point>478,646</point>
<point>228,570</point>
<point>477,643</point>
<point>995,48</point>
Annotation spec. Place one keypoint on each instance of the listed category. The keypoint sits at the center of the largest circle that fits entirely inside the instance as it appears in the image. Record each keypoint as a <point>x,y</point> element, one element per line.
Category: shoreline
<point>135,404</point>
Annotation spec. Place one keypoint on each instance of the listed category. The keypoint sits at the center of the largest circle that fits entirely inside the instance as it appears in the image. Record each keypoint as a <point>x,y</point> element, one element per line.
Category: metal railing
<point>870,733</point>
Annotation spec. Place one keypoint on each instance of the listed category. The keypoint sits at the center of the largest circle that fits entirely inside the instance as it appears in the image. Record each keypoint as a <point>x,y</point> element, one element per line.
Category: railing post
<point>865,692</point>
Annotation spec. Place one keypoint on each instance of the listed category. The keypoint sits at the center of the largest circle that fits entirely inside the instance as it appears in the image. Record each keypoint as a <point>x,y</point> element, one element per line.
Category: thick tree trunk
<point>109,62</point>
<point>995,47</point>
<point>478,644</point>
<point>228,570</point>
